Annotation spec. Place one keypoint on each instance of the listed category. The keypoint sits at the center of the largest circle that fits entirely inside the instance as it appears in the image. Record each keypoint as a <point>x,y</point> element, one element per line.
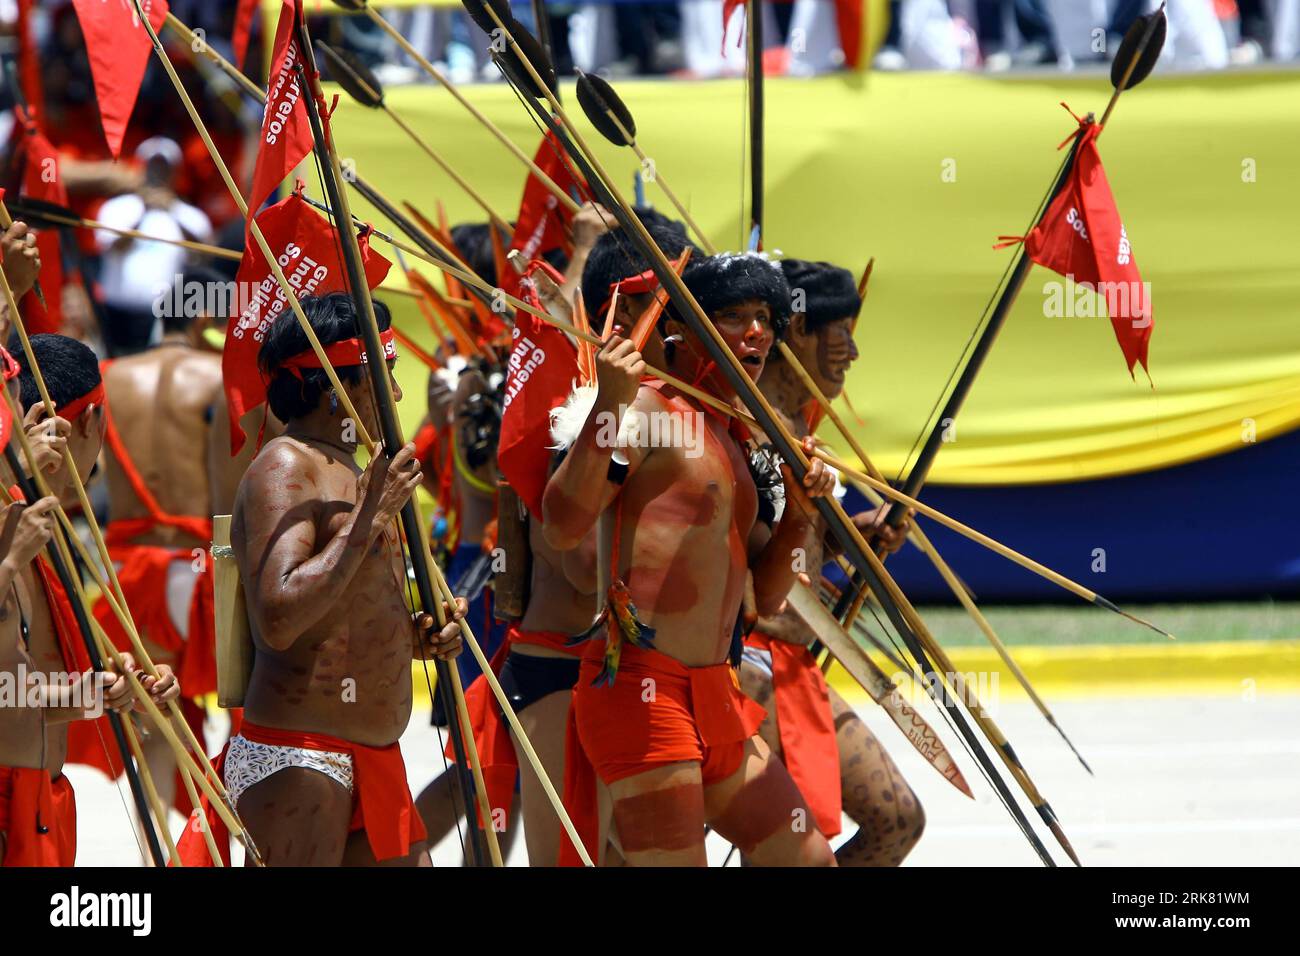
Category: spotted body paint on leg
<point>875,796</point>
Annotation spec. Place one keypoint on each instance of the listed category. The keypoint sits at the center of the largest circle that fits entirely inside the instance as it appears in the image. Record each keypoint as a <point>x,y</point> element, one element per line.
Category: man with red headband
<point>41,647</point>
<point>832,755</point>
<point>316,772</point>
<point>657,711</point>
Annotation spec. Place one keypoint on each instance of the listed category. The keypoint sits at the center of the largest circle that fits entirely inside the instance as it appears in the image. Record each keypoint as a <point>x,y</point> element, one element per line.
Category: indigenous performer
<point>160,411</point>
<point>316,772</point>
<point>40,643</point>
<point>657,711</point>
<point>834,758</point>
<point>538,664</point>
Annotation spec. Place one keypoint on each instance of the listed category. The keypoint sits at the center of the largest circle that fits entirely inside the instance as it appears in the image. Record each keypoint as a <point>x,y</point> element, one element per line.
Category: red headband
<point>75,407</point>
<point>635,285</point>
<point>632,285</point>
<point>345,352</point>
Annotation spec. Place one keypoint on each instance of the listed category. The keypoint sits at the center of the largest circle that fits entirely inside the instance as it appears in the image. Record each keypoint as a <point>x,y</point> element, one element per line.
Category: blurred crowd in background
<point>165,184</point>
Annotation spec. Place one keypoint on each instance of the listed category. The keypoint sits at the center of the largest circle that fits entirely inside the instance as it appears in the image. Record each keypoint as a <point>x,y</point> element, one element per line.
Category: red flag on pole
<point>539,376</point>
<point>543,222</point>
<point>1081,236</point>
<point>118,47</point>
<point>243,30</point>
<point>286,128</point>
<point>307,247</point>
<point>729,7</point>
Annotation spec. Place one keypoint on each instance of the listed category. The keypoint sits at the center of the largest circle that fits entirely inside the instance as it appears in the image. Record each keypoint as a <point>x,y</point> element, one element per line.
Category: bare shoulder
<point>649,399</point>
<point>282,458</point>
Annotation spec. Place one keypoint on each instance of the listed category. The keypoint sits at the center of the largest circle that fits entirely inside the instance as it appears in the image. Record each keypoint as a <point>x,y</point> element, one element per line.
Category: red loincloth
<point>381,798</point>
<point>687,714</point>
<point>38,817</point>
<point>496,754</point>
<point>807,729</point>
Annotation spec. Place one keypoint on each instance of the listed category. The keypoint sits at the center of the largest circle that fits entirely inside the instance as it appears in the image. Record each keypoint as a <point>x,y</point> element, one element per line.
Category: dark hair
<point>727,279</point>
<point>613,257</point>
<point>474,243</point>
<point>829,292</point>
<point>333,318</point>
<point>69,367</point>
<point>178,320</point>
<point>650,216</point>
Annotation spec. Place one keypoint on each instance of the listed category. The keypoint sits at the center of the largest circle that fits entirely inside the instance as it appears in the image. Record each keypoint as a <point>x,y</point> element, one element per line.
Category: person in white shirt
<point>136,273</point>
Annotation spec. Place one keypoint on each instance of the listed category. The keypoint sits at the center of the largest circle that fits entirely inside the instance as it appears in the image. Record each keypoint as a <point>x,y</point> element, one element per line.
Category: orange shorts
<point>39,818</point>
<point>657,712</point>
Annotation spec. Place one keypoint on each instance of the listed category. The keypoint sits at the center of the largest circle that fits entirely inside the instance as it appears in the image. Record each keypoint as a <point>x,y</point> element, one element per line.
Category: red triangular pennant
<point>118,47</point>
<point>1080,236</point>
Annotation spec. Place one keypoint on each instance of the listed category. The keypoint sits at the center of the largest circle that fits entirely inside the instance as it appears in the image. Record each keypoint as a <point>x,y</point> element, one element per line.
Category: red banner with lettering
<point>541,371</point>
<point>307,248</point>
<point>286,128</point>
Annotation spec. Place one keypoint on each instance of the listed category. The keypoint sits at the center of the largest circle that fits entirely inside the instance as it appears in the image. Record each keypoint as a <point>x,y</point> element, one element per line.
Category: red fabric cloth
<point>243,29</point>
<point>38,817</point>
<point>143,577</point>
<point>1081,236</point>
<point>381,798</point>
<point>807,729</point>
<point>658,711</point>
<point>308,250</point>
<point>119,48</point>
<point>286,128</point>
<point>491,731</point>
<point>541,371</point>
<point>543,221</point>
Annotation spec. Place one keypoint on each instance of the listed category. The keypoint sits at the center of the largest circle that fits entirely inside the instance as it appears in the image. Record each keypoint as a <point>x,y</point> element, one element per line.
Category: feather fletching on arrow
<point>34,211</point>
<point>535,53</point>
<point>477,10</point>
<point>357,79</point>
<point>598,100</point>
<point>1129,46</point>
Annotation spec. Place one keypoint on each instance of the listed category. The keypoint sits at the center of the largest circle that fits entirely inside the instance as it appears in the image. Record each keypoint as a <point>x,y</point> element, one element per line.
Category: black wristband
<point>617,471</point>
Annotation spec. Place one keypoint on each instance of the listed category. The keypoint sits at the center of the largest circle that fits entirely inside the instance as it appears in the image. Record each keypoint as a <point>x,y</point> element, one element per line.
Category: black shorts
<point>526,679</point>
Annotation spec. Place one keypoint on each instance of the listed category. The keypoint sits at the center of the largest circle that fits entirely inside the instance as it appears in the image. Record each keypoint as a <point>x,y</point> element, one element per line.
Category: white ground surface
<point>1179,781</point>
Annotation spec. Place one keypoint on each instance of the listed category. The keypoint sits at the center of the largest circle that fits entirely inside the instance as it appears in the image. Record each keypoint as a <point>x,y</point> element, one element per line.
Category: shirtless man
<point>666,729</point>
<point>316,771</point>
<point>838,764</point>
<point>38,633</point>
<point>158,418</point>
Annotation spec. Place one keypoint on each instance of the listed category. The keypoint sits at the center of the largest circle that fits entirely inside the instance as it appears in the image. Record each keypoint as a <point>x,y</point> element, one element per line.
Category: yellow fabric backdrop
<point>856,167</point>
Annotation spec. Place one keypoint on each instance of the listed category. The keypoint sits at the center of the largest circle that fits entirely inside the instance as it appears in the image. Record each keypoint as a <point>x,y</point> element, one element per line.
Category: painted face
<point>746,327</point>
<point>835,353</point>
